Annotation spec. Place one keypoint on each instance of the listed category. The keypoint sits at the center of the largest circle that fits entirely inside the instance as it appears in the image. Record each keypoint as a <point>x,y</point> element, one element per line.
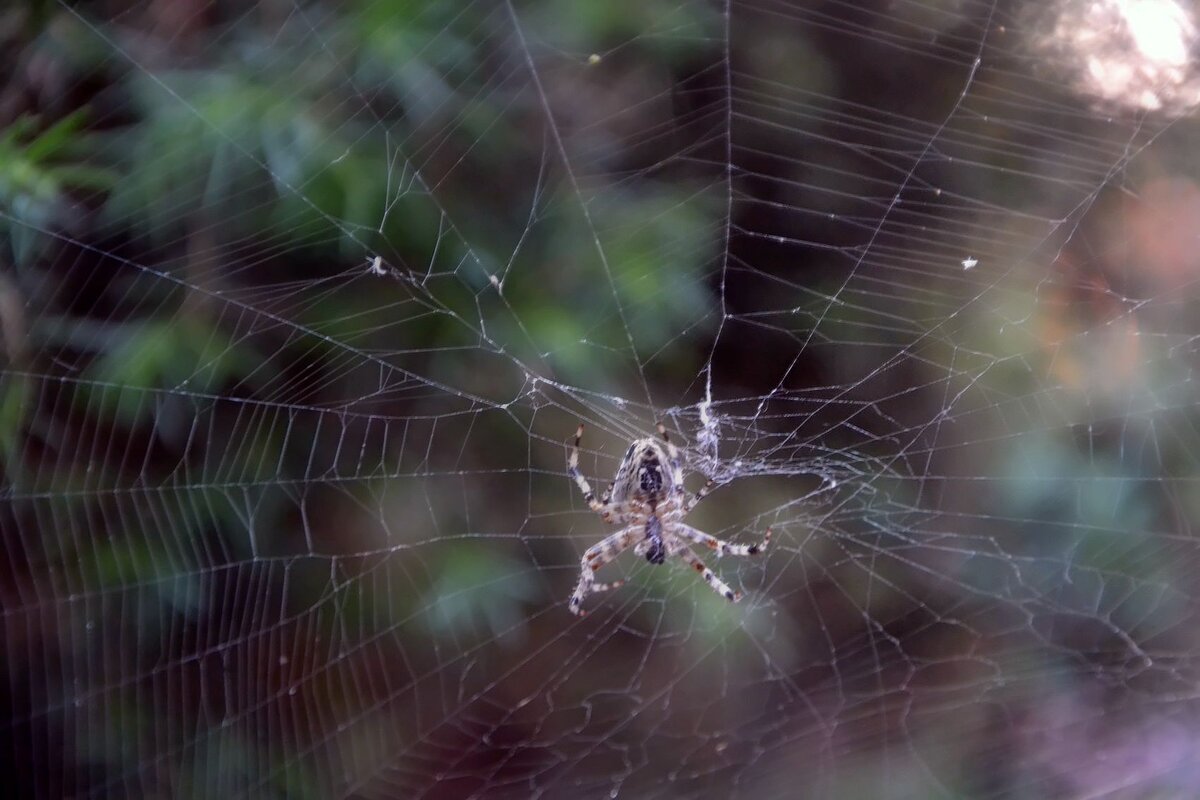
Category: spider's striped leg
<point>690,502</point>
<point>582,591</point>
<point>610,547</point>
<point>709,576</point>
<point>676,467</point>
<point>721,546</point>
<point>589,497</point>
<point>686,503</point>
<point>596,557</point>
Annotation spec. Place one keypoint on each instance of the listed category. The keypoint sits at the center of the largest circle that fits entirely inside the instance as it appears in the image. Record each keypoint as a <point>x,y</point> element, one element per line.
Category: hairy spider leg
<point>691,502</point>
<point>709,576</point>
<point>720,546</point>
<point>685,502</point>
<point>676,467</point>
<point>604,509</point>
<point>592,587</point>
<point>596,557</point>
<point>611,546</point>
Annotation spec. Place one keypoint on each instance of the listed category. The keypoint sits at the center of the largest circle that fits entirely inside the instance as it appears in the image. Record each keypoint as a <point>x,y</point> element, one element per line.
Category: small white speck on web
<point>376,266</point>
<point>969,262</point>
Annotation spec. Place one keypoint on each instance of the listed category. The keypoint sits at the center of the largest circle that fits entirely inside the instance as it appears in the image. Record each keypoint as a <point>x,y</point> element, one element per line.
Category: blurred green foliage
<point>479,595</point>
<point>188,354</point>
<point>218,137</point>
<point>674,28</point>
<point>38,169</point>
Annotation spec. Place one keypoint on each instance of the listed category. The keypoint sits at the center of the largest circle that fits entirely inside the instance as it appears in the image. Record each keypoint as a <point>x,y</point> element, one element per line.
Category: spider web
<point>287,399</point>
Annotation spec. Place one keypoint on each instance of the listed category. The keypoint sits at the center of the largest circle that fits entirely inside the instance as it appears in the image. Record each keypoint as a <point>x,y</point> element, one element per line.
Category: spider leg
<point>610,547</point>
<point>720,546</point>
<point>589,497</point>
<point>684,502</point>
<point>676,467</point>
<point>709,576</point>
<point>596,557</point>
<point>690,502</point>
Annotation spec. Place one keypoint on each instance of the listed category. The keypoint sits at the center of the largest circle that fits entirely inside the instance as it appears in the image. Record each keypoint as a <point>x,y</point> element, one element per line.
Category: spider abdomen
<point>644,477</point>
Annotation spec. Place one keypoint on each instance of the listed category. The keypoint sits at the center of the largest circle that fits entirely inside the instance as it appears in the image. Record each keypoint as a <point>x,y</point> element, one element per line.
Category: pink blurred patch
<point>1095,756</point>
<point>1161,234</point>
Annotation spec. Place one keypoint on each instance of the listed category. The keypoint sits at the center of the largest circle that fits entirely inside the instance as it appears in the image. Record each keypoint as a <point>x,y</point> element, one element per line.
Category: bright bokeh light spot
<point>1133,53</point>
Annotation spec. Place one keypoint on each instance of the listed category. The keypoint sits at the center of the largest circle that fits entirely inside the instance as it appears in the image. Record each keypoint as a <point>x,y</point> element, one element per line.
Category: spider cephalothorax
<point>647,498</point>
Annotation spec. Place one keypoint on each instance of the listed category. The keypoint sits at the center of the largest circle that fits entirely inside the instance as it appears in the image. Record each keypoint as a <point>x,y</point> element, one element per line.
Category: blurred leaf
<point>57,137</point>
<point>657,246</point>
<point>667,28</point>
<point>207,151</point>
<point>477,587</point>
<point>35,175</point>
<point>393,47</point>
<point>166,355</point>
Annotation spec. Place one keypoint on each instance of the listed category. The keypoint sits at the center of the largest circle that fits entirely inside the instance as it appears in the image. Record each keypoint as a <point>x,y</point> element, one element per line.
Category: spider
<point>647,497</point>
